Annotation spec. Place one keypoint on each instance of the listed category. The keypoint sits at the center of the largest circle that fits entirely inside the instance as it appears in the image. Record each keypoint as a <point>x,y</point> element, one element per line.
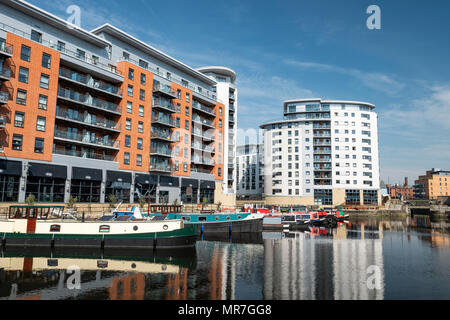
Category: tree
<point>30,199</point>
<point>142,202</point>
<point>72,201</point>
<point>112,200</point>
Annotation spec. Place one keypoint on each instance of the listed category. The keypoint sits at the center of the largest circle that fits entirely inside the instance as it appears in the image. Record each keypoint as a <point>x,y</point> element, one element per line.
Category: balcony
<point>6,49</point>
<point>162,167</point>
<point>203,161</point>
<point>88,120</point>
<point>156,150</point>
<point>83,154</point>
<point>204,135</point>
<point>163,136</point>
<point>5,73</point>
<point>204,122</point>
<point>164,90</point>
<point>87,139</point>
<point>322,142</point>
<point>165,121</point>
<point>3,120</point>
<point>322,160</point>
<point>203,148</point>
<point>90,83</point>
<point>200,170</point>
<point>231,107</point>
<point>232,96</point>
<point>86,100</point>
<point>4,97</point>
<point>164,104</point>
<point>323,151</point>
<point>200,107</point>
<point>321,126</point>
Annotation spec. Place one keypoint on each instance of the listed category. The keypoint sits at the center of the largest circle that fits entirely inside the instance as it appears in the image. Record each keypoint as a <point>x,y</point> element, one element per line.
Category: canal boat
<point>36,226</point>
<point>209,221</point>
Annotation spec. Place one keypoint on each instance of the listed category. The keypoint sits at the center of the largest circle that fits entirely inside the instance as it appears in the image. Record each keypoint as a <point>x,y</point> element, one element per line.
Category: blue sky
<point>284,50</point>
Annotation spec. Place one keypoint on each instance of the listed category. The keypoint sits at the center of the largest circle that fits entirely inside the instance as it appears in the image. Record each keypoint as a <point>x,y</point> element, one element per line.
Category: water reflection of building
<point>304,267</point>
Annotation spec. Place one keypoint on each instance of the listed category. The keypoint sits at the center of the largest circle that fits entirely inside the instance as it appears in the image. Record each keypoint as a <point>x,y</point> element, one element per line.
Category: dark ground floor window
<point>189,194</point>
<point>370,196</point>
<point>352,197</point>
<point>46,189</point>
<point>323,197</point>
<point>85,190</point>
<point>208,194</point>
<point>119,189</point>
<point>9,188</point>
<point>145,190</point>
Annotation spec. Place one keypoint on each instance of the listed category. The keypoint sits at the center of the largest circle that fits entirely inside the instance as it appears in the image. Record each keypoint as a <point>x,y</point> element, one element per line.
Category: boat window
<point>239,217</point>
<point>186,218</point>
<point>228,218</point>
<point>217,218</point>
<point>102,264</point>
<point>201,218</point>
<point>52,262</point>
<point>55,228</point>
<point>104,229</point>
<point>32,213</point>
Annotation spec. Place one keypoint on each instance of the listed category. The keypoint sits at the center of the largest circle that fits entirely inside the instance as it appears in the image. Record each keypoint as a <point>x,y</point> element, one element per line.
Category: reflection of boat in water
<point>40,274</point>
<point>35,226</point>
<point>242,237</point>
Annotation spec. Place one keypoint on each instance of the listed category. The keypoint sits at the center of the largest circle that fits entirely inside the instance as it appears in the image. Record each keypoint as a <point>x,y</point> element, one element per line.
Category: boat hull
<point>243,226</point>
<point>185,237</point>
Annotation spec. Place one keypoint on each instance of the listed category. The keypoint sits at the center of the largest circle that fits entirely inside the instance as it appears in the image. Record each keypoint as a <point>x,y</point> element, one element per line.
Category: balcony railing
<point>4,97</point>
<point>5,72</point>
<point>164,121</point>
<point>203,161</point>
<point>6,48</point>
<point>203,134</point>
<point>159,150</point>
<point>88,139</point>
<point>52,45</point>
<point>160,167</point>
<point>203,147</point>
<point>204,122</point>
<point>198,106</point>
<point>82,154</point>
<point>90,82</point>
<point>164,104</point>
<point>98,123</point>
<point>88,100</point>
<point>194,168</point>
<point>165,89</point>
<point>3,120</point>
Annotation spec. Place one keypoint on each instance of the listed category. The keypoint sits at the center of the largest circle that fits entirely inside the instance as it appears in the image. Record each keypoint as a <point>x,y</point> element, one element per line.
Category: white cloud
<point>374,80</point>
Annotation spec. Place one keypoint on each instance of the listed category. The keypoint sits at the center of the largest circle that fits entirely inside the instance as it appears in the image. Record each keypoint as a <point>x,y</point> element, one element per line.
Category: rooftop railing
<point>52,45</point>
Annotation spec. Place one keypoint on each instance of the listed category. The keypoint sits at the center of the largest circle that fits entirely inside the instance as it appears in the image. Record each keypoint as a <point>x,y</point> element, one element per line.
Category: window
<point>46,60</point>
<point>81,54</point>
<point>220,123</point>
<point>42,102</point>
<point>17,142</point>
<point>103,229</point>
<point>39,145</point>
<point>219,172</point>
<point>220,111</point>
<point>130,74</point>
<point>40,124</point>
<point>143,64</point>
<point>186,124</point>
<point>128,124</point>
<point>125,55</point>
<point>187,110</point>
<point>130,90</point>
<point>19,119</point>
<point>21,97</point>
<point>95,60</point>
<point>142,95</point>
<point>141,110</point>
<point>55,228</point>
<point>185,167</point>
<point>44,81</point>
<point>23,74</point>
<point>25,53</point>
<point>61,46</point>
<point>139,143</point>
<point>126,158</point>
<point>36,36</point>
<point>187,97</point>
<point>127,141</point>
<point>139,160</point>
<point>140,126</point>
<point>143,78</point>
<point>129,107</point>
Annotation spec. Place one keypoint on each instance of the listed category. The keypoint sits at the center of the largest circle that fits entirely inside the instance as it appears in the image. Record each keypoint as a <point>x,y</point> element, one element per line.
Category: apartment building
<point>99,113</point>
<point>323,152</point>
<point>250,171</point>
<point>227,93</point>
<point>435,183</point>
